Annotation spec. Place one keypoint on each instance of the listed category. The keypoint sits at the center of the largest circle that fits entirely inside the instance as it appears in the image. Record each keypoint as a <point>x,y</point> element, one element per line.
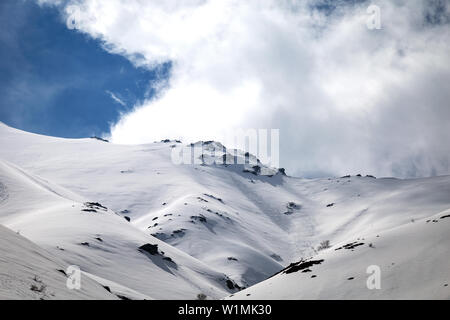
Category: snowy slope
<point>240,224</point>
<point>99,241</point>
<point>413,261</point>
<point>29,272</point>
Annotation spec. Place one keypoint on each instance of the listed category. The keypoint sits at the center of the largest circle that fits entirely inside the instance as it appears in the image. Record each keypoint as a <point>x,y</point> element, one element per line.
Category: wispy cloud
<point>116,98</point>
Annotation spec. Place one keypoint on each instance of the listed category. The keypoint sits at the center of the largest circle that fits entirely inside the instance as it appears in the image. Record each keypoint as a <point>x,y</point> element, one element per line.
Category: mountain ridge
<point>228,228</point>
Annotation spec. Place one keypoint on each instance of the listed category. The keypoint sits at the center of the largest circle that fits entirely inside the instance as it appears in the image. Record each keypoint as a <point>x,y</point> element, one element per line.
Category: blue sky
<point>59,82</point>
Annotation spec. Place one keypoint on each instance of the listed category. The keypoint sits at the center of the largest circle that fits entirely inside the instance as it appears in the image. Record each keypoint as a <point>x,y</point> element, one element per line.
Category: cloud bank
<point>345,98</point>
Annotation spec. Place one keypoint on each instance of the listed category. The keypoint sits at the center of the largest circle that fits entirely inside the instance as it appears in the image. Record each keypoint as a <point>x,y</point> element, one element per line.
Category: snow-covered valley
<point>147,228</point>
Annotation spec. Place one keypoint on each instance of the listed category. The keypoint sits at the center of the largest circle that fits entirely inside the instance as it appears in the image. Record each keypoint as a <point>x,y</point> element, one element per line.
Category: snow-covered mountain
<point>145,227</point>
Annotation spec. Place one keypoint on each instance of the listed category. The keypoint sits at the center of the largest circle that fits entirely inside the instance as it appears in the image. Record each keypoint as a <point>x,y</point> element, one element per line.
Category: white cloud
<point>345,98</point>
<point>50,2</point>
